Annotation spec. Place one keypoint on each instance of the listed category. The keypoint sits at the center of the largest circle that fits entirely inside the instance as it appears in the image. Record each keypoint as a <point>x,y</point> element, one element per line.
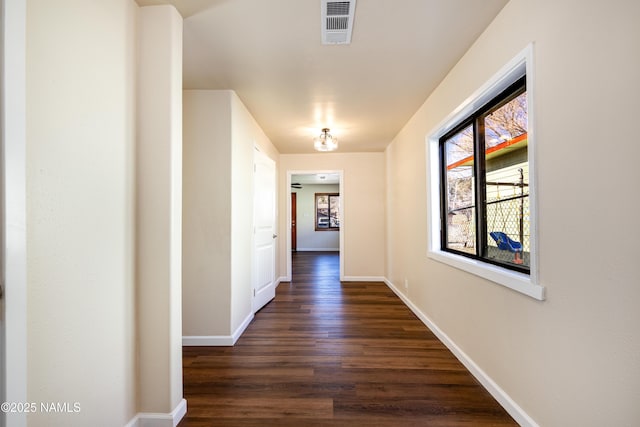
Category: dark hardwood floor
<point>325,353</point>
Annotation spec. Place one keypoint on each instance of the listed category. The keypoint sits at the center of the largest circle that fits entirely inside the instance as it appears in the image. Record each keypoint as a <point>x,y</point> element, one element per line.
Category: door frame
<point>13,145</point>
<point>343,224</point>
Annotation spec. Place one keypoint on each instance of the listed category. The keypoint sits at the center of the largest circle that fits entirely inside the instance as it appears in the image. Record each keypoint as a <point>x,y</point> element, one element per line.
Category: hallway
<point>326,353</point>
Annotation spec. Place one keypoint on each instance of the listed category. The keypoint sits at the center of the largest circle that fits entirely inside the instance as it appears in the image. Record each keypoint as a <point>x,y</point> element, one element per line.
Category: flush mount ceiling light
<point>325,142</point>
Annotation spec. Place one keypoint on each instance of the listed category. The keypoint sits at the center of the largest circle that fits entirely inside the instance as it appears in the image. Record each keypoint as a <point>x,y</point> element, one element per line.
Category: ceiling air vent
<point>337,21</point>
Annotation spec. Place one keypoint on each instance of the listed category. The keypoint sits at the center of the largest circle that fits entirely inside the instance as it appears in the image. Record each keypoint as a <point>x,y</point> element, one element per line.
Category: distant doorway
<point>294,219</point>
<point>299,182</point>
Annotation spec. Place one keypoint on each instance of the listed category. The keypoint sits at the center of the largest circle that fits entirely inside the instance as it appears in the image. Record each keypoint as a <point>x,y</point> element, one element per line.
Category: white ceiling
<point>316,178</point>
<point>270,54</point>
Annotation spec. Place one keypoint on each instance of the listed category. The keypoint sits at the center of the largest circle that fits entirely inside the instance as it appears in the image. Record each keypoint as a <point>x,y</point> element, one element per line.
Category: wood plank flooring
<point>325,353</point>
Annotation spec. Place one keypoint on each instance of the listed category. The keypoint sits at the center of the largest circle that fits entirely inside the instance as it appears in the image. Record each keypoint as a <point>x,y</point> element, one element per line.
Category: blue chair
<point>506,244</point>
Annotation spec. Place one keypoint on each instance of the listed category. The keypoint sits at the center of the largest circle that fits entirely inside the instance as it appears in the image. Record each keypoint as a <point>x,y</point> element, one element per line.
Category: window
<point>327,211</point>
<point>485,183</point>
<point>481,205</point>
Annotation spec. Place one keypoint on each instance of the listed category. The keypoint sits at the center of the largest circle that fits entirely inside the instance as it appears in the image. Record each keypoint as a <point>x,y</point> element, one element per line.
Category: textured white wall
<point>159,209</point>
<point>572,359</point>
<point>80,218</point>
<point>246,135</point>
<point>206,259</point>
<point>220,138</point>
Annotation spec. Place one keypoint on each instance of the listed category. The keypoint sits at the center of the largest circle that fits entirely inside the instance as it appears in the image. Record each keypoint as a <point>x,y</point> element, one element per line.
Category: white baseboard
<point>245,323</point>
<point>494,389</point>
<point>318,249</point>
<point>150,419</point>
<point>207,340</point>
<point>217,340</point>
<point>363,279</point>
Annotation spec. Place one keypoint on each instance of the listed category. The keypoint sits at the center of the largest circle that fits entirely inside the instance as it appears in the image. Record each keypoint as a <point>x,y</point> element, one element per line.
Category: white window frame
<point>524,283</point>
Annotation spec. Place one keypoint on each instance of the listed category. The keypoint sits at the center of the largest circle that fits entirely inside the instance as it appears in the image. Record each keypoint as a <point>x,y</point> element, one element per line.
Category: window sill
<point>519,282</point>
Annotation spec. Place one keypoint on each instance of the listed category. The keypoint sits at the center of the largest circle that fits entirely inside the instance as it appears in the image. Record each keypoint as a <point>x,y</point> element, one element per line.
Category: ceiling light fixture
<point>325,142</point>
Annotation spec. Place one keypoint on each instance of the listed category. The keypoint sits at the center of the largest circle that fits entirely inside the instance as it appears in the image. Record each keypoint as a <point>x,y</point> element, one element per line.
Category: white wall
<point>363,198</point>
<point>308,238</point>
<point>220,136</point>
<point>206,259</point>
<point>80,219</point>
<point>246,135</point>
<point>572,359</point>
<point>159,209</point>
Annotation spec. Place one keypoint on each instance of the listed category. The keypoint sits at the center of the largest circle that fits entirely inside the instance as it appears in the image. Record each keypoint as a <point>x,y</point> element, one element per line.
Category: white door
<point>264,226</point>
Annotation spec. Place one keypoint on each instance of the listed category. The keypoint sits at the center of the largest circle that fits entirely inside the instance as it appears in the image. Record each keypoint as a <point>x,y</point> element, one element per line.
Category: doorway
<point>301,177</point>
<point>294,221</point>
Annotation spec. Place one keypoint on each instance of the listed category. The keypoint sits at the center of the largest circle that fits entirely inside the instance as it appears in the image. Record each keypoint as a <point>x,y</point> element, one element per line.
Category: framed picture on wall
<point>327,211</point>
